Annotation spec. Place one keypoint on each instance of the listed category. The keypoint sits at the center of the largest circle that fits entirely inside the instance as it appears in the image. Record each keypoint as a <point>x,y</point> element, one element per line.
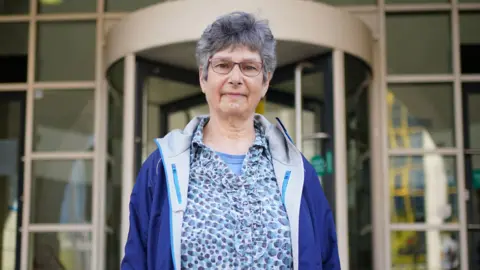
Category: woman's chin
<point>234,109</point>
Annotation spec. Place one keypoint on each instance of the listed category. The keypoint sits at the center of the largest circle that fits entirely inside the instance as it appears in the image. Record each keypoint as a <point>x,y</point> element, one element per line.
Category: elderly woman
<point>230,191</point>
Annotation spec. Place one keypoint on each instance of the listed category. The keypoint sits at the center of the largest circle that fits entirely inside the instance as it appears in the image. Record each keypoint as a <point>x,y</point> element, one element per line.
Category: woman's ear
<point>202,79</point>
<point>266,84</point>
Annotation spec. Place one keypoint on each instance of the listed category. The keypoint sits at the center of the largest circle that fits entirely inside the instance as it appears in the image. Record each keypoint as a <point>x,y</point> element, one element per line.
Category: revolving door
<point>319,92</point>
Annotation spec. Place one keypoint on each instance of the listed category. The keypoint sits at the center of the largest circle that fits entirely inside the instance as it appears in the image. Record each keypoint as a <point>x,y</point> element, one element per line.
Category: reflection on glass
<point>409,39</point>
<point>64,188</point>
<point>65,51</point>
<point>359,191</point>
<point>114,179</point>
<point>425,250</point>
<point>13,52</point>
<point>420,116</point>
<point>15,7</point>
<point>115,75</point>
<point>67,6</point>
<point>358,164</point>
<point>11,140</point>
<point>423,189</point>
<point>63,120</point>
<point>61,251</point>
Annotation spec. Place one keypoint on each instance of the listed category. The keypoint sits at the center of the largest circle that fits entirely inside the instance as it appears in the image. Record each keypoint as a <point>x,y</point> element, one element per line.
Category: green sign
<point>323,164</point>
<point>476,179</point>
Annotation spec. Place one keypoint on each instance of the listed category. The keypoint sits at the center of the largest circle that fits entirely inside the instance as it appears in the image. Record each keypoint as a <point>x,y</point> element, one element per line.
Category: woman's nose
<point>236,76</point>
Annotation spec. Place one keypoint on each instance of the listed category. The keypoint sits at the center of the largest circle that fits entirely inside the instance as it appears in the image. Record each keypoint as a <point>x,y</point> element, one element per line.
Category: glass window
<point>410,37</point>
<point>59,6</point>
<point>127,5</point>
<point>15,7</point>
<point>64,187</point>
<point>13,52</point>
<point>470,42</point>
<point>61,250</point>
<point>472,117</point>
<point>63,120</point>
<point>425,115</point>
<point>65,51</point>
<point>426,189</point>
<point>432,249</point>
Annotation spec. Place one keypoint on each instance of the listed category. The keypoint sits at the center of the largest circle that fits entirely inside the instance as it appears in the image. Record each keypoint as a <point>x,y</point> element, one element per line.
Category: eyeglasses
<point>248,68</point>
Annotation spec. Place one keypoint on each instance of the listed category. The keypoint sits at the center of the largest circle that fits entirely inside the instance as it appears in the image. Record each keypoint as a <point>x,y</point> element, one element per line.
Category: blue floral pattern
<point>234,222</point>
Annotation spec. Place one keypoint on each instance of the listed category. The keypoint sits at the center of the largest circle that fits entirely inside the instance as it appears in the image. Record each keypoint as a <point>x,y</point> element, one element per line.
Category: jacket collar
<point>281,145</point>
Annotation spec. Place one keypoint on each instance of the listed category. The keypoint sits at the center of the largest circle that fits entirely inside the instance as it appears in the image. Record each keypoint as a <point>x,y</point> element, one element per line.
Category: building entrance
<point>319,92</point>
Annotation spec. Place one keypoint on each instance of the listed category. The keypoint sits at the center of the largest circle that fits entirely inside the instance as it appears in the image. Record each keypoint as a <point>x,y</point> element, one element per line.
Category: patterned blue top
<point>234,221</point>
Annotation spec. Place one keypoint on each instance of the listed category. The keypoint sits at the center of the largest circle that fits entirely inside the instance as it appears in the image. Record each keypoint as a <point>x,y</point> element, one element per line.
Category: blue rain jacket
<point>159,197</point>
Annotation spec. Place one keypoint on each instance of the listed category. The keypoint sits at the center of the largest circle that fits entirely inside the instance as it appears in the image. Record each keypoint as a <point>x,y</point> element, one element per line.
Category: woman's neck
<point>232,135</point>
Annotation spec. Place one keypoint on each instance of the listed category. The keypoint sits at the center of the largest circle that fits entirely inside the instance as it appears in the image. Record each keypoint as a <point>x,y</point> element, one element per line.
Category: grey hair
<point>237,28</point>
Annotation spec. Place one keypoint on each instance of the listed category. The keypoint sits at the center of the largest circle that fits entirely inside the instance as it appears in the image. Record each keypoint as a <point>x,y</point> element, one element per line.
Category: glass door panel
<point>357,76</point>
<point>471,118</point>
<point>317,116</point>
<point>12,122</point>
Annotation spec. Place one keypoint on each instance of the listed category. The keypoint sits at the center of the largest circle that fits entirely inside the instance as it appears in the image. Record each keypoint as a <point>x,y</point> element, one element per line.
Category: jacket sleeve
<point>324,225</point>
<point>135,257</point>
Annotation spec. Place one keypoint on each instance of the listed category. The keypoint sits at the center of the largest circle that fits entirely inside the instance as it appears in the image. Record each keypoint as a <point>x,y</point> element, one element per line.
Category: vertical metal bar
<point>340,156</point>
<point>383,118</point>
<point>377,180</point>
<point>298,107</point>
<point>27,180</point>
<point>328,116</point>
<point>145,117</point>
<point>103,138</point>
<point>140,79</point>
<point>460,164</point>
<point>128,162</point>
<point>99,181</point>
<point>102,176</point>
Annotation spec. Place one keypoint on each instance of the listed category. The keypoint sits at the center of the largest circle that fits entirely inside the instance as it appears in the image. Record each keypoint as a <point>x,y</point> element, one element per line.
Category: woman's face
<point>235,92</point>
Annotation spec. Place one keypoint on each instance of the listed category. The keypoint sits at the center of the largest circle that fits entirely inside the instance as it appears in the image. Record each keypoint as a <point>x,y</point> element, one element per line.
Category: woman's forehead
<point>238,53</point>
